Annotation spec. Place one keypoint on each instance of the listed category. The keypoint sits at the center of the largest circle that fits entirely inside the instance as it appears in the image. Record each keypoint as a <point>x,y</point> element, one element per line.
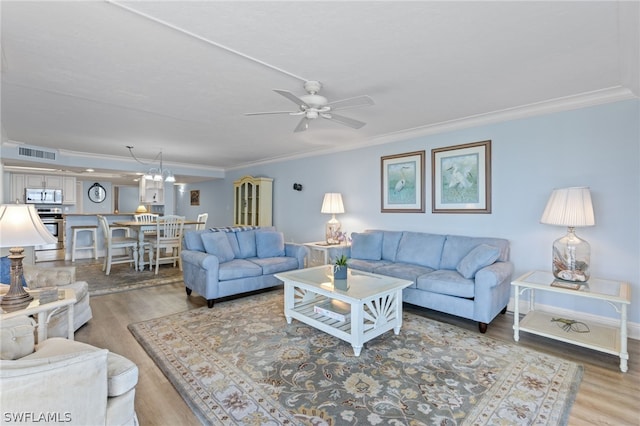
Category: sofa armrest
<point>494,275</point>
<point>202,260</point>
<point>299,251</point>
<point>57,381</point>
<point>54,276</point>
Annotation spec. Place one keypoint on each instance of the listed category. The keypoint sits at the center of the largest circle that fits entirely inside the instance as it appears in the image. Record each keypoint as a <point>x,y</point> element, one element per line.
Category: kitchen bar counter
<point>83,219</point>
<point>96,214</point>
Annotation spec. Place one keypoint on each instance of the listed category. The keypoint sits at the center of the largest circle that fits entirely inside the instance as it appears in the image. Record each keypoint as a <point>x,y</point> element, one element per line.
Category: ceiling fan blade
<point>302,125</point>
<point>272,112</point>
<point>344,120</point>
<point>358,101</point>
<point>293,98</point>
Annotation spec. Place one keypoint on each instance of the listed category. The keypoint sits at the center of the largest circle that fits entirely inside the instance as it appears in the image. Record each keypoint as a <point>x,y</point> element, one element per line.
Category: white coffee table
<point>44,311</point>
<point>375,303</point>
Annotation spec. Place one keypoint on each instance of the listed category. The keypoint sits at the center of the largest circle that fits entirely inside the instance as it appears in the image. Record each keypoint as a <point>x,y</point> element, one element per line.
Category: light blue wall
<point>597,147</point>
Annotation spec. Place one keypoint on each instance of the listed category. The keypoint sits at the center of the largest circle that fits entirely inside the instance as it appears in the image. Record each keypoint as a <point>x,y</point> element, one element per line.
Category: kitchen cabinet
<point>151,192</point>
<point>68,190</point>
<point>253,201</point>
<point>19,182</point>
<point>43,181</point>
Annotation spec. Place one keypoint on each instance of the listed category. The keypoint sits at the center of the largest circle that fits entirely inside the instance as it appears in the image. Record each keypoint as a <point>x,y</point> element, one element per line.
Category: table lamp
<point>570,207</point>
<point>332,204</point>
<point>20,226</point>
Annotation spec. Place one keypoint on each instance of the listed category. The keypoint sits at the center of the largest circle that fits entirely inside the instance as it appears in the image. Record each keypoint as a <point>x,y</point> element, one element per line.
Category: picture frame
<point>461,178</point>
<point>402,183</point>
<point>195,197</point>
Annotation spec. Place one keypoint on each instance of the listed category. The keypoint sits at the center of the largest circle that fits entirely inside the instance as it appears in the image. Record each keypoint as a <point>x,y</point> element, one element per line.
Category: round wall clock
<point>97,193</point>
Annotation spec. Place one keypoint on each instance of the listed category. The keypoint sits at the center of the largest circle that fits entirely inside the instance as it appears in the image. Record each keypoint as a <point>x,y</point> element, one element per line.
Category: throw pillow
<point>481,256</point>
<point>270,244</point>
<point>5,271</point>
<point>217,243</point>
<point>366,246</point>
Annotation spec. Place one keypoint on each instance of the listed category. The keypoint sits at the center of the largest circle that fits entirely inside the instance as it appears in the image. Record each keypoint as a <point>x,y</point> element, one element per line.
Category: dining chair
<point>168,240</point>
<point>202,217</point>
<point>149,234</point>
<point>112,243</point>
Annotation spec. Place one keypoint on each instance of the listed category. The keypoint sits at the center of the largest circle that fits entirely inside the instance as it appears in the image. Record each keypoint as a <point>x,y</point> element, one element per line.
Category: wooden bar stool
<point>94,241</point>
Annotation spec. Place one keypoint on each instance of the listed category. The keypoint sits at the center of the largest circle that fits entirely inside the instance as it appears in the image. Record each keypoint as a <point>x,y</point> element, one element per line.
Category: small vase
<point>340,273</point>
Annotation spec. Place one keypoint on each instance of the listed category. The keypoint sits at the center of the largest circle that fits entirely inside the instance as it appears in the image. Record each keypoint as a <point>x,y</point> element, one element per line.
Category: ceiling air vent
<point>37,153</point>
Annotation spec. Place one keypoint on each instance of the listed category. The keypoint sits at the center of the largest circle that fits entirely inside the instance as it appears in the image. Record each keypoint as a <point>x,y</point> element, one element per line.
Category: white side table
<point>320,253</point>
<point>585,333</point>
<point>44,312</point>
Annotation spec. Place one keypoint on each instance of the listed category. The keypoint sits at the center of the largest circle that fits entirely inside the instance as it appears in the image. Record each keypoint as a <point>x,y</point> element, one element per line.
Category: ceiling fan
<point>313,105</point>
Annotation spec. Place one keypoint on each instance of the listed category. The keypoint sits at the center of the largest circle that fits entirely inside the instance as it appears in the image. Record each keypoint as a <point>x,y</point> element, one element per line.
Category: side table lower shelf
<point>600,337</point>
<point>588,334</point>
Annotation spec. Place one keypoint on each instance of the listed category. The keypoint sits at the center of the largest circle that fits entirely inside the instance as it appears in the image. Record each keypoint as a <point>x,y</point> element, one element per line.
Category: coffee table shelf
<point>375,302</point>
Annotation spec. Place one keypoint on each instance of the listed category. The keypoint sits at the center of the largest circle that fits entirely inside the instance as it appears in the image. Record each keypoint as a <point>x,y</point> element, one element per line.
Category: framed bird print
<point>461,178</point>
<point>402,183</point>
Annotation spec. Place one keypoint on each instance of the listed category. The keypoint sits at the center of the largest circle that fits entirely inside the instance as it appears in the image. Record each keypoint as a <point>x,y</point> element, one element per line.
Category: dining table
<point>139,228</point>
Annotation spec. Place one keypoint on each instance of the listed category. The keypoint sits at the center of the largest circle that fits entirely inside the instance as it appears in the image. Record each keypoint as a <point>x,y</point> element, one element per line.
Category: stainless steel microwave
<point>42,196</point>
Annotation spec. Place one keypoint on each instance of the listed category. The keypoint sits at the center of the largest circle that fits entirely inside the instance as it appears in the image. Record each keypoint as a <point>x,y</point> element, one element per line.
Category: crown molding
<point>583,100</point>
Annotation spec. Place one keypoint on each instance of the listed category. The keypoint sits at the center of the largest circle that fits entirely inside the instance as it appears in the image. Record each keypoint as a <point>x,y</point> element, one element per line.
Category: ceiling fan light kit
<point>312,105</point>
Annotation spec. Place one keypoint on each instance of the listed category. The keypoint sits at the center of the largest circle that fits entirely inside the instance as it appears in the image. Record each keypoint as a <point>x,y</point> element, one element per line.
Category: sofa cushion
<point>269,244</point>
<point>481,256</point>
<point>233,242</point>
<point>247,244</point>
<point>193,240</point>
<point>238,268</point>
<point>366,246</point>
<point>420,248</point>
<point>273,265</point>
<point>447,282</point>
<point>390,242</point>
<point>217,244</point>
<point>405,271</point>
<point>366,265</point>
<point>16,337</point>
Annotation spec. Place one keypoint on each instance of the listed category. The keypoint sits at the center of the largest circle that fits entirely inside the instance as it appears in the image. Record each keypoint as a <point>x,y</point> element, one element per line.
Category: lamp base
<point>332,231</point>
<point>16,298</point>
<point>571,258</point>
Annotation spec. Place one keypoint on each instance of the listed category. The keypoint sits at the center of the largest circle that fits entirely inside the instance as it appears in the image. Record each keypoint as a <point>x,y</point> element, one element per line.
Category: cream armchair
<point>62,381</point>
<point>62,277</point>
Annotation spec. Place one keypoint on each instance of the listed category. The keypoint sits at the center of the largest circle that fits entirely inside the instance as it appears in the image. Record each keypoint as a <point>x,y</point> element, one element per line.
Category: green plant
<point>340,262</point>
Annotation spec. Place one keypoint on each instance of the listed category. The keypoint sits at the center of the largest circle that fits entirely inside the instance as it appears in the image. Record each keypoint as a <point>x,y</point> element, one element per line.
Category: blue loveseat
<point>221,262</point>
<point>468,277</point>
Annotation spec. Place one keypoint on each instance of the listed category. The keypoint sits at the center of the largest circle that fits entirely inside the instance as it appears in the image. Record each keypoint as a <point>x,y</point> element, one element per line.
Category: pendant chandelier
<point>154,173</point>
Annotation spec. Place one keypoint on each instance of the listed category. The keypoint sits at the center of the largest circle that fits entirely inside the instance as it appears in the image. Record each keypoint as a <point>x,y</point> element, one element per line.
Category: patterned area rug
<point>241,363</point>
<point>122,277</point>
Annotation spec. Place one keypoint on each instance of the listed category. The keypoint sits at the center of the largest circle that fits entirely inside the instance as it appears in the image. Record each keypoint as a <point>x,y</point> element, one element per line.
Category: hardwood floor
<point>606,396</point>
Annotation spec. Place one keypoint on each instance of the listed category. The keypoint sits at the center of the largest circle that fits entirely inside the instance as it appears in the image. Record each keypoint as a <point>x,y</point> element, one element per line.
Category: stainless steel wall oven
<point>52,219</point>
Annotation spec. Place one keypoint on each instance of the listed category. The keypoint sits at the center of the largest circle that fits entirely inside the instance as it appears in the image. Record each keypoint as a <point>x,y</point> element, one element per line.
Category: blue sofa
<point>221,262</point>
<point>469,277</point>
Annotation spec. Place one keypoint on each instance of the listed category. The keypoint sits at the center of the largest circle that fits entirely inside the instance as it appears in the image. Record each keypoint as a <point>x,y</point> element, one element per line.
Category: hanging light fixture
<point>154,173</point>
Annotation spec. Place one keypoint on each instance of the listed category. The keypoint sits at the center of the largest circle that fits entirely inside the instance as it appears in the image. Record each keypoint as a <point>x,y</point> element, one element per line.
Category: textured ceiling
<point>94,77</point>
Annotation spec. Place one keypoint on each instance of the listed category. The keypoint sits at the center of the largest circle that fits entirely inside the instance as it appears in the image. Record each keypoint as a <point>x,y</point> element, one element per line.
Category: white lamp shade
<point>332,203</point>
<point>569,207</point>
<point>20,225</point>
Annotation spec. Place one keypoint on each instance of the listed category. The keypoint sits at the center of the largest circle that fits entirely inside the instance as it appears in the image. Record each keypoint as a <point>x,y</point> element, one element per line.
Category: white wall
<point>597,147</point>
